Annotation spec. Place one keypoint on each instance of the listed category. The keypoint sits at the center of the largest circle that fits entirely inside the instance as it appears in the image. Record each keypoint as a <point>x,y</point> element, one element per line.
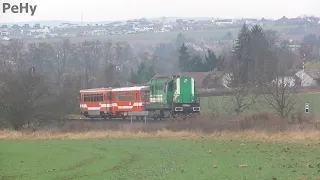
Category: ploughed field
<point>155,158</point>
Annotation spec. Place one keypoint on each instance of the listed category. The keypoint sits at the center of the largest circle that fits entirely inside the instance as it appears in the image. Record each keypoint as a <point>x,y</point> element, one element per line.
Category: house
<point>288,81</point>
<point>4,32</point>
<point>42,30</point>
<point>215,80</point>
<point>309,77</point>
<point>223,22</point>
<point>5,38</point>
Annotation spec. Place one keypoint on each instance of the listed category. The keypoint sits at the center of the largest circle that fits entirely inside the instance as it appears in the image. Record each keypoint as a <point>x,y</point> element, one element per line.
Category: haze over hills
<point>58,22</point>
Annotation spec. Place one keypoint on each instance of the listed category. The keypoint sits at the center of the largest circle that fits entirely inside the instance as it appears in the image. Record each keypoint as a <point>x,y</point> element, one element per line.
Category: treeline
<point>310,48</point>
<point>43,80</point>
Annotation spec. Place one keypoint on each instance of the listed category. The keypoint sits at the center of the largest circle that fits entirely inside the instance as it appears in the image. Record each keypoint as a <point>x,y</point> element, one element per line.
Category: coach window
<point>100,97</point>
<point>133,96</point>
<point>118,96</point>
<point>109,96</point>
<point>87,98</point>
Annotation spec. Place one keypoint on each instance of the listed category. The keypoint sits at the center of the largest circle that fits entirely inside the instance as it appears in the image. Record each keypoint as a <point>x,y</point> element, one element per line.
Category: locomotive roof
<point>167,78</point>
<point>134,88</point>
<point>96,90</point>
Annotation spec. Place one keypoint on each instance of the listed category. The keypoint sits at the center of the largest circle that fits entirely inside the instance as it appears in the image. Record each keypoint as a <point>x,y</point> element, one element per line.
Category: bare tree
<point>90,52</point>
<point>241,97</point>
<point>20,94</point>
<point>280,92</point>
<point>62,51</point>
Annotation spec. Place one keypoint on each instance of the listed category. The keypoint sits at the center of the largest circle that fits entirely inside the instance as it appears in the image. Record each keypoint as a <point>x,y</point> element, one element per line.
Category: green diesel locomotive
<point>172,96</point>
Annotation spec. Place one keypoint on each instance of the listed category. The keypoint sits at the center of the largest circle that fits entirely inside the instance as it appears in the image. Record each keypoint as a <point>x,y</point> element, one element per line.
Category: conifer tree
<point>183,58</point>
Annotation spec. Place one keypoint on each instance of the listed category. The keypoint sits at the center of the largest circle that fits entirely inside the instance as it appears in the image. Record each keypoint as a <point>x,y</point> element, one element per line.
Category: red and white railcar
<point>129,101</point>
<point>96,102</point>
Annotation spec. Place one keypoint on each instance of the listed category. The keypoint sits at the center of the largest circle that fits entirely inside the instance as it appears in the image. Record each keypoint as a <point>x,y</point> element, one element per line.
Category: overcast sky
<point>110,10</point>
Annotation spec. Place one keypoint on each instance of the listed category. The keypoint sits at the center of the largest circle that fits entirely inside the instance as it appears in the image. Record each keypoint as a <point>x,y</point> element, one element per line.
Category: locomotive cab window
<point>145,95</point>
<point>170,86</point>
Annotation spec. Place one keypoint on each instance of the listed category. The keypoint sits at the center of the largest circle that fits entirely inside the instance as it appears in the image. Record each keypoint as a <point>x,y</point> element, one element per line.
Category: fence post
<point>145,117</point>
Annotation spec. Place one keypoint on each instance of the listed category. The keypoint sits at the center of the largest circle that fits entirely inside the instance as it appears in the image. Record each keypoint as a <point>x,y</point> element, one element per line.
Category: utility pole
<point>304,58</point>
<point>81,18</point>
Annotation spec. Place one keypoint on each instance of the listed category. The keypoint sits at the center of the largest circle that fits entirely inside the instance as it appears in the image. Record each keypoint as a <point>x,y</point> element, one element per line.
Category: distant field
<point>215,34</point>
<point>221,104</point>
<point>151,159</point>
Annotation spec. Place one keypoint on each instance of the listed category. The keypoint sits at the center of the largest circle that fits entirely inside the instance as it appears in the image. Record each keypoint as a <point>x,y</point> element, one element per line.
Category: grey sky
<point>105,10</point>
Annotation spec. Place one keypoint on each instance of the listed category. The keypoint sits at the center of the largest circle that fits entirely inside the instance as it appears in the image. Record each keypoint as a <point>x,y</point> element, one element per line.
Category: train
<point>161,98</point>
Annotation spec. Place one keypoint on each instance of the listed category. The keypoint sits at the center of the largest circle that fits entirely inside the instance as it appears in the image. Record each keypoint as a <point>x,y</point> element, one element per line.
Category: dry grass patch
<point>290,136</point>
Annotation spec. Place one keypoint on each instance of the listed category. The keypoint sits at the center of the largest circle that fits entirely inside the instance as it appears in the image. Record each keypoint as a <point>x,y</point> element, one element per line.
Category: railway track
<point>121,121</point>
<point>78,118</point>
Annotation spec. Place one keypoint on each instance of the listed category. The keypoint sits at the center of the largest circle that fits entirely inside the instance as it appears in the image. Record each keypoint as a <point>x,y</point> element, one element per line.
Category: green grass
<point>152,159</point>
<point>222,104</point>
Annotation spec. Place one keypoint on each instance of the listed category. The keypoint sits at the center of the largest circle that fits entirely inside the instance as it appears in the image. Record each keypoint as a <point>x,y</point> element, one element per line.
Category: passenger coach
<point>129,101</point>
<point>114,102</point>
<point>96,102</point>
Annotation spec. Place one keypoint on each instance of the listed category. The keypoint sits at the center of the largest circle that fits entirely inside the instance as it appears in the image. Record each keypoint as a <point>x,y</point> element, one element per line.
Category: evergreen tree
<point>134,78</point>
<point>143,74</point>
<point>310,39</point>
<point>241,52</point>
<point>184,58</point>
<point>151,73</point>
<point>261,64</point>
<point>180,40</point>
<point>211,61</point>
<point>195,64</point>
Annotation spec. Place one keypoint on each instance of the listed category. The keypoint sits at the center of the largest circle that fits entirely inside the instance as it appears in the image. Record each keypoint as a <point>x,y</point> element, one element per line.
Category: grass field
<point>221,104</point>
<point>161,158</point>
